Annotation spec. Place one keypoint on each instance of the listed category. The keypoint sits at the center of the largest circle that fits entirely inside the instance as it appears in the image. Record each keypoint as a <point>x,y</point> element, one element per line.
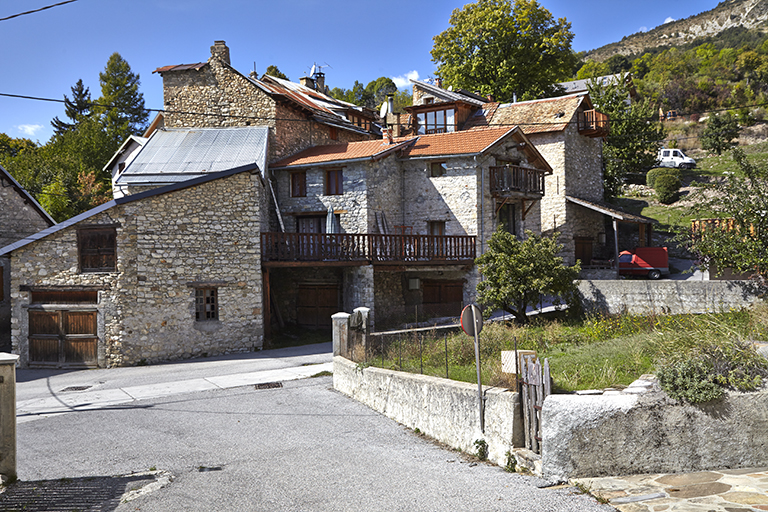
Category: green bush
<point>653,174</point>
<point>667,188</point>
<point>690,381</point>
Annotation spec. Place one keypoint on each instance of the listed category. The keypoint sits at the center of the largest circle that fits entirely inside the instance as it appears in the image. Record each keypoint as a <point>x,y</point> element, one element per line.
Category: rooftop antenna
<point>317,69</point>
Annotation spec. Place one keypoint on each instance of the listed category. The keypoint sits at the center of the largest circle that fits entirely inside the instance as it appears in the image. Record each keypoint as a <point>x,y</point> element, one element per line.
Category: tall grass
<point>596,352</point>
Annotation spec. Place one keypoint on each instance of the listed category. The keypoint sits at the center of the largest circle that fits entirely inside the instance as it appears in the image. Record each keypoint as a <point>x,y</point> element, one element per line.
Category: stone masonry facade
<point>167,245</point>
<point>216,95</point>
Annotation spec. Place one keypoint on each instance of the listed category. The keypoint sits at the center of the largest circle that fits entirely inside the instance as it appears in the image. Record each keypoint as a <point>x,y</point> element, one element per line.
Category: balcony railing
<point>592,123</point>
<point>510,180</point>
<point>366,248</point>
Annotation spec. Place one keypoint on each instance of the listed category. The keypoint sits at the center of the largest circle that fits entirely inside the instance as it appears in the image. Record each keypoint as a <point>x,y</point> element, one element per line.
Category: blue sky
<point>47,52</point>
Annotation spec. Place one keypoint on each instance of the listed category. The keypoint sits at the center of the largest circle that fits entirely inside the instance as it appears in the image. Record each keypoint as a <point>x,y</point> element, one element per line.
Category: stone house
<point>568,132</point>
<point>20,217</point>
<point>395,225</point>
<point>214,94</point>
<point>168,273</point>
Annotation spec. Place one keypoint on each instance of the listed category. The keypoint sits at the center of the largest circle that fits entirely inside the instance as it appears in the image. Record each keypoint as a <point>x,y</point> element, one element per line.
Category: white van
<point>675,158</point>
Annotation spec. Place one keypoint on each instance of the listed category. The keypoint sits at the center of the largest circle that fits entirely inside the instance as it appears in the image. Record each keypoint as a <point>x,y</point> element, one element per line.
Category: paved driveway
<point>302,446</point>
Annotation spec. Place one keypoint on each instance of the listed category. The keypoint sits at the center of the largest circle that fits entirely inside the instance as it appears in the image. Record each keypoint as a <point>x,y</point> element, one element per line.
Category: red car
<point>644,261</point>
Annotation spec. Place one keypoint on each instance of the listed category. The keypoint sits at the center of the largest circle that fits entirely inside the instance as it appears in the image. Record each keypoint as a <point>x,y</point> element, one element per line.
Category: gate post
<point>8,416</point>
<point>340,323</point>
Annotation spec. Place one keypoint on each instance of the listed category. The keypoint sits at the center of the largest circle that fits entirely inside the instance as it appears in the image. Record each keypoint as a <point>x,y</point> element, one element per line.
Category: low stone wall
<point>666,297</point>
<point>622,434</point>
<point>443,409</point>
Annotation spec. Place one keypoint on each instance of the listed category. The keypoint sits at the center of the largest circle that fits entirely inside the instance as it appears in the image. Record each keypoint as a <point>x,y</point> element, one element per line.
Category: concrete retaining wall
<point>591,436</point>
<point>442,409</point>
<point>666,297</point>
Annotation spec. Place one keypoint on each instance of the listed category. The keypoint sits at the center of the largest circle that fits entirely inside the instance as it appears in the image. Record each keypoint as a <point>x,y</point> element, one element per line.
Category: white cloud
<point>669,20</point>
<point>29,129</point>
<point>403,80</point>
<point>643,29</point>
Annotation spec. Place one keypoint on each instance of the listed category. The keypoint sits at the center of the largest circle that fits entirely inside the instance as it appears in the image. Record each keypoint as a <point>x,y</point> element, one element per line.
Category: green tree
<point>377,91</point>
<point>505,48</point>
<point>740,241</point>
<point>76,109</point>
<point>719,134</point>
<point>592,69</point>
<point>516,274</point>
<point>634,138</point>
<point>272,70</point>
<point>121,105</point>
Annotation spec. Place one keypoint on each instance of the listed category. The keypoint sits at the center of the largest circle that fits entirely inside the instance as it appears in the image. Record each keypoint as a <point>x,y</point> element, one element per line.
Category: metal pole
<point>477,363</point>
<point>445,337</point>
<point>421,352</point>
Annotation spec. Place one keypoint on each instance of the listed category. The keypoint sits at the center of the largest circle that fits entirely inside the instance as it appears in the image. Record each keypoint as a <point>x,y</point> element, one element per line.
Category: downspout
<point>277,206</point>
<point>482,208</point>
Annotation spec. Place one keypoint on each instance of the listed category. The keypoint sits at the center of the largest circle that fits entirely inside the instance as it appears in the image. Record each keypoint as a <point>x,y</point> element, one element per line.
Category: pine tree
<point>76,109</point>
<point>121,105</point>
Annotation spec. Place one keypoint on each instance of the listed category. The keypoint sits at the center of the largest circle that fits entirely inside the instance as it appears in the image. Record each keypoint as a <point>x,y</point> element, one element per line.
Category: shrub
<point>653,174</point>
<point>690,381</point>
<point>667,188</point>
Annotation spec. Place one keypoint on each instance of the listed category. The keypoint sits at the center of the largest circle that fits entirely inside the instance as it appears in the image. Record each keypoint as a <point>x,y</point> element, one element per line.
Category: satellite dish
<point>384,109</point>
<point>313,70</point>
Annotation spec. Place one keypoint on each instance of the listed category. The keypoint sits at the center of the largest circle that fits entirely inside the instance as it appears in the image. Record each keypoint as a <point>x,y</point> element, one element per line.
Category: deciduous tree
<point>505,48</point>
<point>516,274</point>
<point>720,132</point>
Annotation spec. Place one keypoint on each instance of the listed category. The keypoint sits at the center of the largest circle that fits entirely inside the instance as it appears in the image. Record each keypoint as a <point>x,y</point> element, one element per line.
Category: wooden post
<point>8,416</point>
<point>267,306</point>
<point>643,237</point>
<point>616,244</point>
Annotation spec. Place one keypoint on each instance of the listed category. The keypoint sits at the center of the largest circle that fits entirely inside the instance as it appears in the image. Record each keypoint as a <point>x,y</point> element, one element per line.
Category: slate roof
<point>123,200</point>
<point>536,116</point>
<point>612,211</point>
<point>446,95</point>
<point>6,176</point>
<point>179,154</point>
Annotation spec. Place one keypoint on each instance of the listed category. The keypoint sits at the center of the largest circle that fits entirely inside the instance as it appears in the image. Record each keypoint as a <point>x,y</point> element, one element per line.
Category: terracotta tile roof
<point>537,116</point>
<point>457,143</point>
<point>341,152</point>
<point>180,67</point>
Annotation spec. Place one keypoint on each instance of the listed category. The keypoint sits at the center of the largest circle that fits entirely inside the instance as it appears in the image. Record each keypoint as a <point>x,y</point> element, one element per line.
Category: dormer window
<point>429,101</point>
<point>437,121</point>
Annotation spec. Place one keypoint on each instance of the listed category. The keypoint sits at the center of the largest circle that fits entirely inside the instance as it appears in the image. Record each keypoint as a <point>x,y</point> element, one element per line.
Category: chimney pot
<point>320,82</point>
<point>439,82</point>
<point>220,51</point>
<point>490,98</point>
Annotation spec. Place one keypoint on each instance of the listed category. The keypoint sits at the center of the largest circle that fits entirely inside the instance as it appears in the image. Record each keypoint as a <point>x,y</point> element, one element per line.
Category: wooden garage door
<point>63,338</point>
<point>443,298</point>
<point>316,303</point>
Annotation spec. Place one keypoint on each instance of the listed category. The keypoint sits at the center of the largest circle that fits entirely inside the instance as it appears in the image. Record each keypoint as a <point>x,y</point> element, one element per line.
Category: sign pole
<point>477,364</point>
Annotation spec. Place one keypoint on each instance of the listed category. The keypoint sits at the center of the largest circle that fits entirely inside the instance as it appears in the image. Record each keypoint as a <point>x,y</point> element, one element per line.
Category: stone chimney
<point>489,98</point>
<point>220,51</point>
<point>439,82</point>
<point>320,82</point>
<point>307,82</point>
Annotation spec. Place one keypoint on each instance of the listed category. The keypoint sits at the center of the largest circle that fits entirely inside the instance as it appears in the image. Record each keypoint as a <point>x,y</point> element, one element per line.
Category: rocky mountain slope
<point>750,14</point>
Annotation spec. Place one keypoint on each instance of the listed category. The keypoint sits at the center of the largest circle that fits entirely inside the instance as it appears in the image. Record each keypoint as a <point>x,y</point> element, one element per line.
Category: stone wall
<point>641,297</point>
<point>577,171</point>
<point>625,434</point>
<point>18,218</point>
<point>442,409</point>
<point>206,235</point>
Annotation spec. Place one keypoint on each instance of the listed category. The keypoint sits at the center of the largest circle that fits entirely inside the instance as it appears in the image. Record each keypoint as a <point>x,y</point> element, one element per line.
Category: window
<point>437,121</point>
<point>333,133</point>
<point>97,248</point>
<point>206,304</point>
<point>507,219</point>
<point>437,228</point>
<point>299,184</point>
<point>437,169</point>
<point>334,182</point>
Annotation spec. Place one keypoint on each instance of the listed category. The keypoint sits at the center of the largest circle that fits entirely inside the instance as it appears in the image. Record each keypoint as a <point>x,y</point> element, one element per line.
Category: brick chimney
<point>220,51</point>
<point>439,82</point>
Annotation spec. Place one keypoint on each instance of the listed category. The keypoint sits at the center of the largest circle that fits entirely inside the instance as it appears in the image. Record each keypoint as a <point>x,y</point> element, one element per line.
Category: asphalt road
<point>300,447</point>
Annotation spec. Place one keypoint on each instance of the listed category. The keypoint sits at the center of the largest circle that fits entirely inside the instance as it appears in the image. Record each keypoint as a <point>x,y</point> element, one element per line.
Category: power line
<point>37,10</point>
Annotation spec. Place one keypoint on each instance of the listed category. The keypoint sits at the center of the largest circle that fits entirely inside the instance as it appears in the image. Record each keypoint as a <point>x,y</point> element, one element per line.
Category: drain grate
<point>74,388</point>
<point>269,385</point>
<point>205,469</point>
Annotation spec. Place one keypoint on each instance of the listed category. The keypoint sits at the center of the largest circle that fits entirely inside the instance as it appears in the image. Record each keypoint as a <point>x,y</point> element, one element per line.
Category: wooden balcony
<point>592,123</point>
<point>516,181</point>
<point>297,249</point>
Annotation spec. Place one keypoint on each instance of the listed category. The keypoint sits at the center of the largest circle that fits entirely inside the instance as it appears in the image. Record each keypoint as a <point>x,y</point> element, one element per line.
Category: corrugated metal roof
<point>27,196</point>
<point>123,200</point>
<point>447,95</point>
<point>180,154</point>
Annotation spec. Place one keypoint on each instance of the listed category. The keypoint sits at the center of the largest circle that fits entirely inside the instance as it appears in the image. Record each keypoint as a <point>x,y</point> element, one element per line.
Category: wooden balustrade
<point>592,123</point>
<point>367,248</point>
<point>509,179</point>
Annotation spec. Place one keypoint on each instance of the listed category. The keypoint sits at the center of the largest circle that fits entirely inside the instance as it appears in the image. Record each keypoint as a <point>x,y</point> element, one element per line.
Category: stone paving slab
<point>736,490</point>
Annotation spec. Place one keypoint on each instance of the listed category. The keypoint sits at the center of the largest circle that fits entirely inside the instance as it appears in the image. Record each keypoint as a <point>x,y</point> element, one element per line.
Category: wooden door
<point>63,338</point>
<point>316,303</point>
<point>583,250</point>
<point>443,298</point>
